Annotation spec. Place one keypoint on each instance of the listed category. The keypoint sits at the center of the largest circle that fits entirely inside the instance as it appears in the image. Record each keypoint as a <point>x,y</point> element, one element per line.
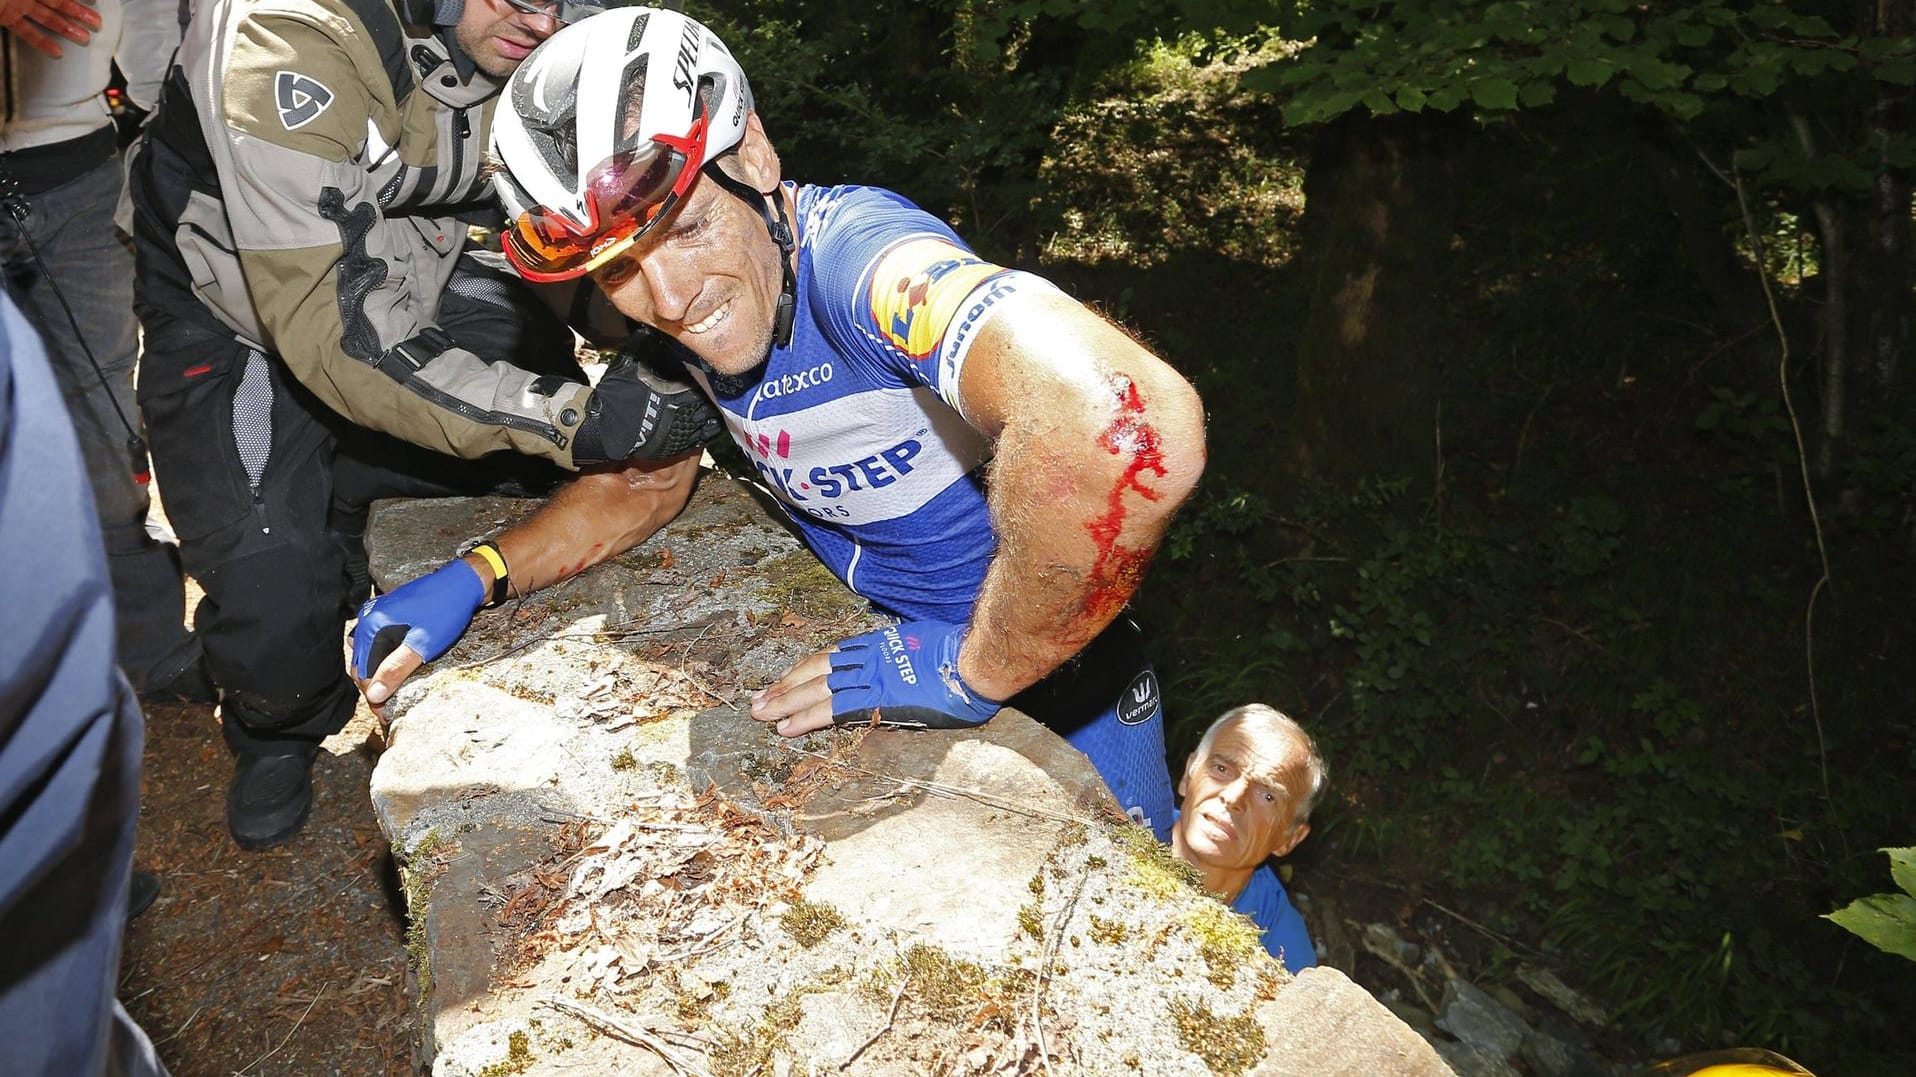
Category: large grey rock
<point>968,883</point>
<point>1470,1060</point>
<point>1549,1056</point>
<point>1473,1016</point>
<point>1559,994</point>
<point>612,869</point>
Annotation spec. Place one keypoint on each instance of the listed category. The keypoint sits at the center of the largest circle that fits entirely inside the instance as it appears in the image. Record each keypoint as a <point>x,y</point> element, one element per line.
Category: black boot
<point>140,893</point>
<point>269,798</point>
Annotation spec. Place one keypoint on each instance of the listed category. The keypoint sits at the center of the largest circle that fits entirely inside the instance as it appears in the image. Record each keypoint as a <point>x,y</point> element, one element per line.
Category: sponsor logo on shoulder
<point>300,98</point>
<point>919,287</point>
<point>1139,704</point>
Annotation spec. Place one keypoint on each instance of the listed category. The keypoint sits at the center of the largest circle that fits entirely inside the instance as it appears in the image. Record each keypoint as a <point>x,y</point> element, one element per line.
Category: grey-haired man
<point>1248,791</point>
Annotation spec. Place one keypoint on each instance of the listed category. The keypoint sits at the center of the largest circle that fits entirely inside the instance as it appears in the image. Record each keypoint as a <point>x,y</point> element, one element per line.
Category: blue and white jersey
<point>855,425</point>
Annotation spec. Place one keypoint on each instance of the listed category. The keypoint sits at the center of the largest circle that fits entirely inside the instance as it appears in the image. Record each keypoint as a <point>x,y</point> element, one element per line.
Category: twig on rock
<point>1052,945</point>
<point>189,1024</point>
<point>705,945</point>
<point>943,789</point>
<point>889,1022</point>
<point>632,1034</point>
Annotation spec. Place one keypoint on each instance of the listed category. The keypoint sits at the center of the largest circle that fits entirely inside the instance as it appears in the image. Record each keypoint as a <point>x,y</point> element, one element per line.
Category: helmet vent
<point>632,92</point>
<point>557,140</point>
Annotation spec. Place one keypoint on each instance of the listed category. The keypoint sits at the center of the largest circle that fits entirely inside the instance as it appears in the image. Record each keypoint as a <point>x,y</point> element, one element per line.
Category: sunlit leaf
<point>1885,921</point>
<point>1902,868</point>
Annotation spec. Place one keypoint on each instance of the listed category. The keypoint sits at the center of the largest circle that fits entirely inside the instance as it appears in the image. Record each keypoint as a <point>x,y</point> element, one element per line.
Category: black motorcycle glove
<point>636,411</point>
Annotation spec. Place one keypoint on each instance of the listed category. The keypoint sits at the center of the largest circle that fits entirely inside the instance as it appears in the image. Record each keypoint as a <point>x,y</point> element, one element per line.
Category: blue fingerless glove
<point>428,615</point>
<point>909,675</point>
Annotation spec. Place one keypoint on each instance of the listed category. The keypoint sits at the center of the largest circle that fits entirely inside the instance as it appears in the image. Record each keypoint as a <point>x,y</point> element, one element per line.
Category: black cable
<point>18,209</point>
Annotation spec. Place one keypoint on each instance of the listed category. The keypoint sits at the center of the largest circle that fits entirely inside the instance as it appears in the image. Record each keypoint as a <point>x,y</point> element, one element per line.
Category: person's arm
<point>1097,444</point>
<point>37,22</point>
<point>348,297</point>
<point>601,514</point>
<point>149,34</point>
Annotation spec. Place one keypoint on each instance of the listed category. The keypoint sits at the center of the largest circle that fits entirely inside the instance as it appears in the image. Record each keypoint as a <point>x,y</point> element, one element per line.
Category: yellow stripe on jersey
<point>919,288</point>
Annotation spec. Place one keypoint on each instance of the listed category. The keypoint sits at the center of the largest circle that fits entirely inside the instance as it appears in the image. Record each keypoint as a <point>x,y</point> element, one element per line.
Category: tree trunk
<point>1377,224</point>
<point>1832,228</point>
<point>1884,294</point>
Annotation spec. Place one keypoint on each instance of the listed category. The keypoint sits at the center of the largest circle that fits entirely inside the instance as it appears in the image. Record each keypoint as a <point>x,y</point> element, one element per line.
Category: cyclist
<point>961,443</point>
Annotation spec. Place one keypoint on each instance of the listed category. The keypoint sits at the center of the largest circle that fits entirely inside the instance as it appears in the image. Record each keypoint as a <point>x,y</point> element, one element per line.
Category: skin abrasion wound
<point>1118,568</point>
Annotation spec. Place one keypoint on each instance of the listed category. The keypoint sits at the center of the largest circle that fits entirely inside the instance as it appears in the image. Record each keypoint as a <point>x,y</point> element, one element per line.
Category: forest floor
<point>284,963</point>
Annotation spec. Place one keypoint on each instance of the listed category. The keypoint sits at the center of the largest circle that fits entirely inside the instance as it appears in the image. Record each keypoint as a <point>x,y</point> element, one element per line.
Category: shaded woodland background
<point>1563,464</point>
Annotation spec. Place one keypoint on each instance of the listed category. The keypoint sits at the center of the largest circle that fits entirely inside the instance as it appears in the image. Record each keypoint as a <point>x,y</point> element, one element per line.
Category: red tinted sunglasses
<point>625,195</point>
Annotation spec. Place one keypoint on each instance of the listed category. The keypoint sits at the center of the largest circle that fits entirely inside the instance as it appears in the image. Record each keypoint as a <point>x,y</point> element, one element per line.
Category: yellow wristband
<point>492,557</point>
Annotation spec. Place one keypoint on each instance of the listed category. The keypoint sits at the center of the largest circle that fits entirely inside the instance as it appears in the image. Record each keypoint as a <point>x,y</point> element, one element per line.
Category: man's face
<point>708,276</point>
<point>497,36</point>
<point>1240,804</point>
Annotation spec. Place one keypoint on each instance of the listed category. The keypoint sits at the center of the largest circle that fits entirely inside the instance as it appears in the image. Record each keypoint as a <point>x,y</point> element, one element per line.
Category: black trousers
<point>268,490</point>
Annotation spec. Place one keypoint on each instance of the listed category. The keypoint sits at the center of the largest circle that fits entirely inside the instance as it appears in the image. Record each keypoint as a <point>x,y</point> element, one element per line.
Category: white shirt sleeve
<point>149,34</point>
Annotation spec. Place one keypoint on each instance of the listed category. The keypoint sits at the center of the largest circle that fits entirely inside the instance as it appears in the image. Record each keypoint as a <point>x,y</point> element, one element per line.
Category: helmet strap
<point>780,228</point>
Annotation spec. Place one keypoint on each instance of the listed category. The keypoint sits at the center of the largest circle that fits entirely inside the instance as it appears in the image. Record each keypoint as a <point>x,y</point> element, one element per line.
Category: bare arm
<point>601,514</point>
<point>1098,443</point>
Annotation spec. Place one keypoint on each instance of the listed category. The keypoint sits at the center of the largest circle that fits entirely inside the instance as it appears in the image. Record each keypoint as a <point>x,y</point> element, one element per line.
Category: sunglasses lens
<point>544,252</point>
<point>625,195</point>
<point>565,11</point>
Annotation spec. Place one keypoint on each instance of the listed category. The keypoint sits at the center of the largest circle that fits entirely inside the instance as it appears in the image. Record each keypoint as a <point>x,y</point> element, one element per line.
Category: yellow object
<point>1735,1062</point>
<point>491,557</point>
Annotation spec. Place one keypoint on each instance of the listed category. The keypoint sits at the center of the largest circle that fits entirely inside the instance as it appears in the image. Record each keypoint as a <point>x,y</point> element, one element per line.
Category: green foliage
<point>1506,54</point>
<point>1695,63</point>
<point>879,95</point>
<point>1170,155</point>
<point>1886,921</point>
<point>1883,471</point>
<point>1586,535</point>
<point>1221,518</point>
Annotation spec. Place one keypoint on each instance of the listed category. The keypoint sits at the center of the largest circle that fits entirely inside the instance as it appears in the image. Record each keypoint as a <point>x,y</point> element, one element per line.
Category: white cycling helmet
<point>604,128</point>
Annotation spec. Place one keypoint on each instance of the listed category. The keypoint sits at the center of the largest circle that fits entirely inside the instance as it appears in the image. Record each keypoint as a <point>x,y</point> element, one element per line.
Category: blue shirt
<point>1270,908</point>
<point>857,428</point>
<point>854,425</point>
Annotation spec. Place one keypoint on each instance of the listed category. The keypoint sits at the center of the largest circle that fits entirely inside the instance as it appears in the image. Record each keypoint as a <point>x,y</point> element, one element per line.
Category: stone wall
<point>612,870</point>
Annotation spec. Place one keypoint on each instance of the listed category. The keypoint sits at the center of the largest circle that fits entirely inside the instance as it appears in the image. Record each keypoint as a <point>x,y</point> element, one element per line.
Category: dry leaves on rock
<point>666,881</point>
